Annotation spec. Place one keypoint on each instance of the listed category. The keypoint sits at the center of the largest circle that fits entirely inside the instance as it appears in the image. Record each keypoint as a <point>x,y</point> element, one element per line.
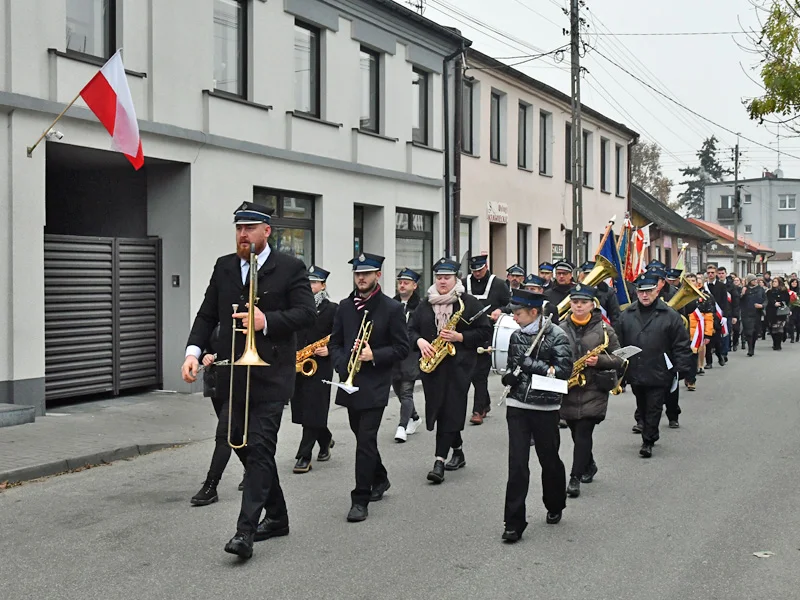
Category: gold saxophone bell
<point>603,269</point>
<point>250,356</point>
<point>308,367</point>
<point>304,361</point>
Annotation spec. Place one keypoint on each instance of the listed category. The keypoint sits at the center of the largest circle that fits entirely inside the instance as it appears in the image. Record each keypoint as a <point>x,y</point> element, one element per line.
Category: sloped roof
<point>726,234</point>
<point>664,217</point>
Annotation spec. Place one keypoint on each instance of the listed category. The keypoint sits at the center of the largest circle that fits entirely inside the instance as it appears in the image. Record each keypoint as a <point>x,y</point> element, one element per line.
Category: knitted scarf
<point>360,302</point>
<point>441,303</point>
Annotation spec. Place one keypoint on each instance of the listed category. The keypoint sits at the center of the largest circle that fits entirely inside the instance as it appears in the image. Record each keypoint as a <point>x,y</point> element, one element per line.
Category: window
<point>605,165</point>
<point>358,229</point>
<point>620,173</point>
<point>522,246</point>
<point>414,243</point>
<point>306,69</point>
<point>748,199</point>
<point>420,107</point>
<point>545,133</point>
<point>230,51</point>
<point>522,136</point>
<point>568,156</point>
<point>748,229</point>
<point>568,245</point>
<point>465,237</point>
<point>292,222</point>
<point>786,232</point>
<point>466,118</point>
<point>726,201</point>
<point>588,159</point>
<point>494,128</point>
<point>588,251</point>
<point>91,27</point>
<point>370,93</point>
<point>787,202</point>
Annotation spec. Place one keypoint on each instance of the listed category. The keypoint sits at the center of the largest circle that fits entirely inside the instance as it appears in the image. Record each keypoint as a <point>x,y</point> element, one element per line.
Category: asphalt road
<point>682,525</point>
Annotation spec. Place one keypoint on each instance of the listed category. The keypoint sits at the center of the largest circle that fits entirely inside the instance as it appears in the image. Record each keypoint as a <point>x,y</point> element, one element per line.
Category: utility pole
<point>736,205</point>
<point>577,136</point>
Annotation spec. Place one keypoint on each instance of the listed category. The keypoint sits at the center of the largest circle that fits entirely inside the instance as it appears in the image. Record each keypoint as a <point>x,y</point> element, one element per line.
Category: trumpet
<point>249,357</point>
<point>304,363</point>
<point>354,364</point>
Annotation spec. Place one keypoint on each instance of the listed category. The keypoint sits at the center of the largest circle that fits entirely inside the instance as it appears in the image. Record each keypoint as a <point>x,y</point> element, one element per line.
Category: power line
<point>683,106</point>
<point>671,33</point>
<point>536,12</point>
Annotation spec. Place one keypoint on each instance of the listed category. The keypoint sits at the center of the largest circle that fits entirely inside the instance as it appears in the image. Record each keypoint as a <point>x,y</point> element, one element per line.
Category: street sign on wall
<point>497,212</point>
<point>558,251</point>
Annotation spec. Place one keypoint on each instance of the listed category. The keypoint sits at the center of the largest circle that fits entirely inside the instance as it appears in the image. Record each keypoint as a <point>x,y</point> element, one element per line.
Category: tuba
<point>442,348</point>
<point>603,269</point>
<point>686,293</point>
<point>249,357</point>
<point>303,362</point>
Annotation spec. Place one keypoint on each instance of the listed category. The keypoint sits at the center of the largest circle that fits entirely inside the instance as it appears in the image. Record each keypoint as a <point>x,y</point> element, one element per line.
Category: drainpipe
<point>449,208</point>
<point>458,144</point>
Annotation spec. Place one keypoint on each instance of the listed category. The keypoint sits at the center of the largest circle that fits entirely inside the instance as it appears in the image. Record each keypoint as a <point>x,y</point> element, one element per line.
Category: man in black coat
<point>559,291</point>
<point>387,345</point>
<point>666,351</point>
<point>719,293</point>
<point>495,294</point>
<point>311,401</point>
<point>406,373</point>
<point>733,297</point>
<point>546,273</point>
<point>285,305</point>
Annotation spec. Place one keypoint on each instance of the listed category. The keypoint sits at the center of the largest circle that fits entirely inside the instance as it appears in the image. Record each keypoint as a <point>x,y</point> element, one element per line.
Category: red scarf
<point>360,302</point>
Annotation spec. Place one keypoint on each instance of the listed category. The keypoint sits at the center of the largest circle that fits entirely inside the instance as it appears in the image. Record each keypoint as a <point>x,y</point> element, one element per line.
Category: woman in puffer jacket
<point>585,405</point>
<point>534,412</point>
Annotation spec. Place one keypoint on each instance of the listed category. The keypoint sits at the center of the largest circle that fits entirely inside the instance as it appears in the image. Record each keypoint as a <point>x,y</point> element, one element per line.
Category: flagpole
<point>53,124</point>
<point>605,235</point>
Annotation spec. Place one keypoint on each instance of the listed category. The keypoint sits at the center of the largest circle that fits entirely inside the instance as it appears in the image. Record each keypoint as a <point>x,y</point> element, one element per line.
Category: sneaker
<point>400,435</point>
<point>701,371</point>
<point>413,425</point>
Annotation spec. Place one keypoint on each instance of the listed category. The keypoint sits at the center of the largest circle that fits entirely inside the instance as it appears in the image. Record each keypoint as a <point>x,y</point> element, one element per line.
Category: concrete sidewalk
<point>103,431</point>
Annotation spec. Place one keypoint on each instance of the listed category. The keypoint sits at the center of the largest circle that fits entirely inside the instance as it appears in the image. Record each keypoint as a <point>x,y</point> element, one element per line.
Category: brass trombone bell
<point>603,269</point>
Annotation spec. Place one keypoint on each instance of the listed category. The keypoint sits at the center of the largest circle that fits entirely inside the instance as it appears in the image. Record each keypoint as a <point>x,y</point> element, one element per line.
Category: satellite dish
<point>778,174</point>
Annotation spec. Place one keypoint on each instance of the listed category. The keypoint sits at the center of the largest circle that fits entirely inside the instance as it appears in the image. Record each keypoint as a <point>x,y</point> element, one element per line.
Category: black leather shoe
<point>270,528</point>
<point>241,485</point>
<point>207,494</point>
<point>241,544</point>
<point>646,451</point>
<point>326,453</point>
<point>379,490</point>
<point>511,536</point>
<point>588,477</point>
<point>303,465</point>
<point>562,424</point>
<point>436,475</point>
<point>637,428</point>
<point>574,487</point>
<point>674,424</point>
<point>456,461</point>
<point>553,518</point>
<point>358,512</point>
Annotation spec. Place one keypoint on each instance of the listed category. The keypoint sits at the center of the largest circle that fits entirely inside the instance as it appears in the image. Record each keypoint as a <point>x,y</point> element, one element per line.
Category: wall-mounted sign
<point>558,251</point>
<point>497,212</point>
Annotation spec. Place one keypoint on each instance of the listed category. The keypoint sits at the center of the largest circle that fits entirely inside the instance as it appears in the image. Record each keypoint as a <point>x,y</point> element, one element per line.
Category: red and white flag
<point>792,296</point>
<point>109,98</point>
<point>604,315</point>
<point>700,331</point>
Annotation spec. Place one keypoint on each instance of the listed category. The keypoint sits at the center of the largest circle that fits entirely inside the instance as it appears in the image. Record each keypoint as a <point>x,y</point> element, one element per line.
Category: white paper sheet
<point>549,384</point>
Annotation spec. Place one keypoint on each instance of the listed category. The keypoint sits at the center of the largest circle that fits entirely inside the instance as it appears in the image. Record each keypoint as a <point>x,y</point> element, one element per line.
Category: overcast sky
<point>708,73</point>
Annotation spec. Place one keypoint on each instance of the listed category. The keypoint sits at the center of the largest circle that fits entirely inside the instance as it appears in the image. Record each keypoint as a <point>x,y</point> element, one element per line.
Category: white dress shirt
<point>244,265</point>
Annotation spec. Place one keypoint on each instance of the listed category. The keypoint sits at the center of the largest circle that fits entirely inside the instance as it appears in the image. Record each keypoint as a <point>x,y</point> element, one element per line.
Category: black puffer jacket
<point>553,351</point>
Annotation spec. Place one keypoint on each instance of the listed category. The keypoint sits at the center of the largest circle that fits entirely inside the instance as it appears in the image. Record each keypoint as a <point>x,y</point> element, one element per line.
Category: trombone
<point>249,357</point>
<point>354,364</point>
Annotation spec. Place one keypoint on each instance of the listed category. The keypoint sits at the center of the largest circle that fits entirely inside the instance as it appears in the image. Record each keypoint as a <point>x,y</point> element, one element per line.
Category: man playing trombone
<point>284,304</point>
<point>369,336</point>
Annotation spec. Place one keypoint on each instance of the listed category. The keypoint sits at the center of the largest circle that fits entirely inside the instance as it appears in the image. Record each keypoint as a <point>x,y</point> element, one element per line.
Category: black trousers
<point>736,330</point>
<point>480,381</point>
<point>649,402</point>
<point>751,341</point>
<point>714,347</point>
<point>311,436</point>
<point>369,467</point>
<point>543,425</point>
<point>673,408</point>
<point>582,457</point>
<point>447,440</point>
<point>222,451</point>
<point>405,393</point>
<point>262,489</point>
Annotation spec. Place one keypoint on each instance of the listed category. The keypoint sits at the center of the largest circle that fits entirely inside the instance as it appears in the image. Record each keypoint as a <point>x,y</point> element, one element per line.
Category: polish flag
<point>699,332</point>
<point>604,315</point>
<point>109,98</point>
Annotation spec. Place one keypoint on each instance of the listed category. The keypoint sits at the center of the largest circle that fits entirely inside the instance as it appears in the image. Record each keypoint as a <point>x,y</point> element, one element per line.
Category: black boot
<point>241,544</point>
<point>751,346</point>
<point>574,487</point>
<point>207,494</point>
<point>270,528</point>
<point>436,475</point>
<point>588,477</point>
<point>456,461</point>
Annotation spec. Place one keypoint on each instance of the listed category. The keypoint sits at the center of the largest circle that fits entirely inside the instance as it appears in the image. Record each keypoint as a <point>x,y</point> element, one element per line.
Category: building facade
<point>751,257</point>
<point>769,214</point>
<point>516,190</point>
<point>329,111</point>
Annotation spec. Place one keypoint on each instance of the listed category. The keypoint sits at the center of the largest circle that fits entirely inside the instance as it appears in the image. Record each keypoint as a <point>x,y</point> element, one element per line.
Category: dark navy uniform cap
<point>657,272</point>
<point>656,264</point>
<point>526,299</point>
<point>674,273</point>
<point>583,292</point>
<point>317,274</point>
<point>409,274</point>
<point>646,281</point>
<point>533,280</point>
<point>445,266</point>
<point>515,269</point>
<point>587,266</point>
<point>250,213</point>
<point>547,267</point>
<point>564,265</point>
<point>365,262</point>
<point>476,263</point>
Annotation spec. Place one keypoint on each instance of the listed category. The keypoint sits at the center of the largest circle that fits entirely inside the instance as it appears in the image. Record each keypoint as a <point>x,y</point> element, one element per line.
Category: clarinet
<point>528,352</point>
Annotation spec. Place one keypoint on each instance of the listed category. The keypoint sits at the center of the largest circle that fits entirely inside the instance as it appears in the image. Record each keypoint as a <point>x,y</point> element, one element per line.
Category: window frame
<point>109,29</point>
<point>315,75</point>
<point>424,81</point>
<point>523,118</point>
<point>279,220</point>
<point>469,223</point>
<point>618,174</point>
<point>568,153</point>
<point>374,54</point>
<point>787,226</point>
<point>748,199</point>
<point>722,200</point>
<point>787,197</point>
<point>523,243</point>
<point>425,236</point>
<point>545,133</point>
<point>748,229</point>
<point>605,165</point>
<point>587,145</point>
<point>495,154</point>
<point>467,117</point>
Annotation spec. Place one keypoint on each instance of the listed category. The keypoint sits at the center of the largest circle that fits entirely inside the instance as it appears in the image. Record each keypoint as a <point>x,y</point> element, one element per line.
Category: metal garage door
<point>102,315</point>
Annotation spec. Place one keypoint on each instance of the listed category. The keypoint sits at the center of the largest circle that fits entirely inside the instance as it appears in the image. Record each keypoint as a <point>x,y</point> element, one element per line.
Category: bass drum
<point>503,329</point>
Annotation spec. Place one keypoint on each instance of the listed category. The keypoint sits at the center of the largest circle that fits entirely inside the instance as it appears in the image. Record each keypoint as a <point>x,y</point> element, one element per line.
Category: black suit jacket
<point>389,343</point>
<point>284,296</point>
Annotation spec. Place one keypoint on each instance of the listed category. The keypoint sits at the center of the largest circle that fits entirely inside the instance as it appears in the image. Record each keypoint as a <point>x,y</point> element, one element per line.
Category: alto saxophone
<point>441,347</point>
<point>303,362</point>
<point>578,379</point>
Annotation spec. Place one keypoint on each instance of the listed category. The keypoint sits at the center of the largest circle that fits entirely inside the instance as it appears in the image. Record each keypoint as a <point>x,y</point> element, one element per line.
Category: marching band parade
<point>561,346</point>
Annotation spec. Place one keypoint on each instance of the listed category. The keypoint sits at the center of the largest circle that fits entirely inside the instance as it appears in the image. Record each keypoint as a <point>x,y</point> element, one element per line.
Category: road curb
<point>64,466</point>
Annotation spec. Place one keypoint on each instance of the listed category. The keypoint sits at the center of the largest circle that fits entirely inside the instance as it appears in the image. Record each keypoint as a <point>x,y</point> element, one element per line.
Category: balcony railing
<point>724,214</point>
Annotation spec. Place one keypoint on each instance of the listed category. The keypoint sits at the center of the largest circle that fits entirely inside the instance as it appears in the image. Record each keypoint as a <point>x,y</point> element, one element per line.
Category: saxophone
<point>303,362</point>
<point>578,379</point>
<point>440,346</point>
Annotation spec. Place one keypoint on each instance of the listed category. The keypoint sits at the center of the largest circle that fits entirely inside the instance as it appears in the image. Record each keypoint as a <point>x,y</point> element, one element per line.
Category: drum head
<point>503,328</point>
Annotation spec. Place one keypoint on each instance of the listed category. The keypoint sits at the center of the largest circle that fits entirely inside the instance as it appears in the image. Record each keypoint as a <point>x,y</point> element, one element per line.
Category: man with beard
<point>447,385</point>
<point>515,275</point>
<point>491,292</point>
<point>405,373</point>
<point>285,305</point>
<point>387,345</point>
